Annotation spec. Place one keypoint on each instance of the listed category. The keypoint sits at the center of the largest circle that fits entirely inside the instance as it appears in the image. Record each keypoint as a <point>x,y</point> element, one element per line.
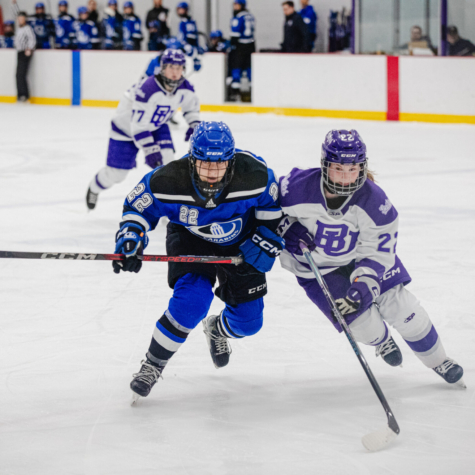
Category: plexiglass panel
<point>376,26</point>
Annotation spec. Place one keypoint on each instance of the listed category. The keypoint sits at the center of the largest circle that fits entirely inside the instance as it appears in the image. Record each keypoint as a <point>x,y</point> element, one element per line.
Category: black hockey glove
<point>131,240</point>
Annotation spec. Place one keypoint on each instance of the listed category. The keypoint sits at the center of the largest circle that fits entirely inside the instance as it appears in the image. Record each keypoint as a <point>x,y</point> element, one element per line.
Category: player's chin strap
<point>381,438</point>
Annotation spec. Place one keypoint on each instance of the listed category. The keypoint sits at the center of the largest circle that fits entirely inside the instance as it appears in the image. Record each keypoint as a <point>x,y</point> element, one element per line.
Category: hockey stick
<point>381,438</point>
<point>236,260</point>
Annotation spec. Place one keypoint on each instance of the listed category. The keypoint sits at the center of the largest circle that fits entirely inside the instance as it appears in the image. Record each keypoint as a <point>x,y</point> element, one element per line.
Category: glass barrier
<point>461,40</point>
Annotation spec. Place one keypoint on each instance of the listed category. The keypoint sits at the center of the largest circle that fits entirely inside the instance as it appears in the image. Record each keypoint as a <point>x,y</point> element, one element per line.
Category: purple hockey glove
<point>190,130</point>
<point>153,157</point>
<point>360,295</point>
<point>294,235</point>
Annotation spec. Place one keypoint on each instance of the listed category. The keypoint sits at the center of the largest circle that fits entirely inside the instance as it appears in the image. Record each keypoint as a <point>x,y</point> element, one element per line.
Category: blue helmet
<point>173,43</point>
<point>40,5</point>
<point>82,10</point>
<point>9,23</point>
<point>112,2</point>
<point>343,147</point>
<point>183,5</point>
<point>128,5</point>
<point>63,3</point>
<point>211,142</point>
<point>216,34</point>
<point>241,2</point>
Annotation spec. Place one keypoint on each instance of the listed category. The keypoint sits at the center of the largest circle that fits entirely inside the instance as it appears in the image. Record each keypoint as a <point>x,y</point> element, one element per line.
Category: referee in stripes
<point>25,41</point>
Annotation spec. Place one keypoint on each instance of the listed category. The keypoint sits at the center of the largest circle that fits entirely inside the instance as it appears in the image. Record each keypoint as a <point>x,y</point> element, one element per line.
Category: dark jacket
<point>157,19</point>
<point>296,35</point>
<point>462,48</point>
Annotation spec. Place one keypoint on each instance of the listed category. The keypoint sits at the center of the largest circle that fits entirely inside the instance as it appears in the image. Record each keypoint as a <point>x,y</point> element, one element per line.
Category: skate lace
<point>148,373</point>
<point>221,342</point>
<point>445,366</point>
<point>386,348</point>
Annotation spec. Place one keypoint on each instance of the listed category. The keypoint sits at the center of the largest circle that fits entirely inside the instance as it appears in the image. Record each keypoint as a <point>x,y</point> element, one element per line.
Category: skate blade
<point>461,384</point>
<point>135,399</point>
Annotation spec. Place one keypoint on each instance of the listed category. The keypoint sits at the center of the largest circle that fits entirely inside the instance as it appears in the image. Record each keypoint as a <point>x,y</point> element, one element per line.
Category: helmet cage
<point>337,188</point>
<point>170,57</point>
<point>210,189</point>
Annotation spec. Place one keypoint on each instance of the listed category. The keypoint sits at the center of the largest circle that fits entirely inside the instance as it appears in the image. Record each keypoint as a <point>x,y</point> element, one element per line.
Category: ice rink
<point>294,399</point>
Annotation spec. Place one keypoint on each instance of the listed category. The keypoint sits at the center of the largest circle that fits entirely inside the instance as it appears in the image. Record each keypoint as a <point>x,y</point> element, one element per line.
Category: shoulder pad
<point>173,178</point>
<point>186,85</point>
<point>147,89</point>
<point>250,173</point>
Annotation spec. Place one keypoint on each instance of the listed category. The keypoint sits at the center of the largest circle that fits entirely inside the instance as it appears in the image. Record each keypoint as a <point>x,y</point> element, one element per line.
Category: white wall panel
<point>7,72</point>
<point>50,74</point>
<point>329,82</point>
<point>209,82</point>
<point>437,85</point>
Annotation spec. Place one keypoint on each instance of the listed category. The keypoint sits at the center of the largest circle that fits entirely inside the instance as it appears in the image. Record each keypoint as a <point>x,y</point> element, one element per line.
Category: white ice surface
<point>294,399</point>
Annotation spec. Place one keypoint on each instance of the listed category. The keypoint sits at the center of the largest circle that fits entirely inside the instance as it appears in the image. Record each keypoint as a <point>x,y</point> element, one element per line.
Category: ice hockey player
<point>217,43</point>
<point>141,123</point>
<point>8,38</point>
<point>242,46</point>
<point>221,201</point>
<point>64,27</point>
<point>188,34</point>
<point>112,27</point>
<point>132,28</point>
<point>43,26</point>
<point>351,227</point>
<point>86,34</point>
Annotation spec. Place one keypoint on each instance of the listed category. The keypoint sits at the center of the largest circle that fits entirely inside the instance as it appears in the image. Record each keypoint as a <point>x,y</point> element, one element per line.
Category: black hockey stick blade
<point>75,256</point>
<point>381,438</point>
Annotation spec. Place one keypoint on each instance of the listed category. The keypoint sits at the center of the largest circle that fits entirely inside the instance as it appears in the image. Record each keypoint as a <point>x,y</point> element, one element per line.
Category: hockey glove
<point>190,130</point>
<point>294,234</point>
<point>261,249</point>
<point>153,157</point>
<point>131,240</point>
<point>360,295</point>
<point>196,64</point>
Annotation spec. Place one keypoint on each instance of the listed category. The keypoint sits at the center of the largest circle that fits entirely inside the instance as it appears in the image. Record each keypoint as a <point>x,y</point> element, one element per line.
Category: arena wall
<point>361,87</point>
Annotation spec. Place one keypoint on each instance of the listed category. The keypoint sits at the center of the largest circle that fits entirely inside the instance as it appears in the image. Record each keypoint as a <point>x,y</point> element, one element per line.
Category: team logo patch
<point>218,232</point>
<point>385,207</point>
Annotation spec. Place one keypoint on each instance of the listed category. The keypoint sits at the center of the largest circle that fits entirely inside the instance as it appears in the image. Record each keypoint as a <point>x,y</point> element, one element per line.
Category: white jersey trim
<point>268,214</point>
<point>161,196</point>
<point>138,218</point>
<point>236,194</point>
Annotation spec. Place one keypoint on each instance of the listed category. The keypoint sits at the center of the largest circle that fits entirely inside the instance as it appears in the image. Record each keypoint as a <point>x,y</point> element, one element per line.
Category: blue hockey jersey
<point>7,41</point>
<point>310,19</point>
<point>132,32</point>
<point>86,34</point>
<point>188,31</point>
<point>112,31</point>
<point>64,30</point>
<point>242,27</point>
<point>44,29</point>
<point>250,200</point>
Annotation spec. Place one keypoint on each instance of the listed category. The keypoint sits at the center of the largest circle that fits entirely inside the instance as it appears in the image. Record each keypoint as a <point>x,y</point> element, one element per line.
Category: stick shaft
<point>336,311</point>
<point>75,256</point>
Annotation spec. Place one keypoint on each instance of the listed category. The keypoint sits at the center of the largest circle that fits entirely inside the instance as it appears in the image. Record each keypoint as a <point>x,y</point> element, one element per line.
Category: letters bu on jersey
<point>218,233</point>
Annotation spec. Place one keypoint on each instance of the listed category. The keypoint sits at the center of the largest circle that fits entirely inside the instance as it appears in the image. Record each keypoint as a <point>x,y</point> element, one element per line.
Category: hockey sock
<point>167,338</point>
<point>370,329</point>
<point>107,177</point>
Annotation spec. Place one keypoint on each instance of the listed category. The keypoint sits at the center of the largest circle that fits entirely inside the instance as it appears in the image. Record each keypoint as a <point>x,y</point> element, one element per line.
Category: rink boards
<point>428,89</point>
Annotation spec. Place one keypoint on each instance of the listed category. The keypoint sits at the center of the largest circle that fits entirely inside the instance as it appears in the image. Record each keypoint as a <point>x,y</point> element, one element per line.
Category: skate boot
<point>144,380</point>
<point>219,347</point>
<point>451,372</point>
<point>390,352</point>
<point>91,199</point>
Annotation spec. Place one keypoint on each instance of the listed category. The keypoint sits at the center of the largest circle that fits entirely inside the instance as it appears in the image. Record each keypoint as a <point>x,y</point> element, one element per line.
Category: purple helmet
<point>171,56</point>
<point>344,147</point>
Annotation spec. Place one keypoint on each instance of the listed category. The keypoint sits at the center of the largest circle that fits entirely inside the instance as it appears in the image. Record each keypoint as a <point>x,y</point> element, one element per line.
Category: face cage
<point>174,85</point>
<point>210,189</point>
<point>344,190</point>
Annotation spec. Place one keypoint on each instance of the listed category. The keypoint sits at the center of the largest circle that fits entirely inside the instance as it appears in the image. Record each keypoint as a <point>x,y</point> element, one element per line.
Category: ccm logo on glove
<point>267,246</point>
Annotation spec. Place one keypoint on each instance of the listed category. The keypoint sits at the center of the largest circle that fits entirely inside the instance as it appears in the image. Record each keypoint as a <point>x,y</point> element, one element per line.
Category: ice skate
<point>451,372</point>
<point>390,352</point>
<point>91,199</point>
<point>144,380</point>
<point>219,347</point>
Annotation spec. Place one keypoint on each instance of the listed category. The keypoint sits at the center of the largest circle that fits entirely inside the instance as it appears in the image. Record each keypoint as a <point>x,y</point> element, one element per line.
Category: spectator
<point>418,40</point>
<point>42,25</point>
<point>112,26</point>
<point>92,12</point>
<point>64,27</point>
<point>310,18</point>
<point>187,29</point>
<point>217,44</point>
<point>25,45</point>
<point>8,38</point>
<point>458,46</point>
<point>242,46</point>
<point>132,28</point>
<point>296,35</point>
<point>157,26</point>
<point>86,33</point>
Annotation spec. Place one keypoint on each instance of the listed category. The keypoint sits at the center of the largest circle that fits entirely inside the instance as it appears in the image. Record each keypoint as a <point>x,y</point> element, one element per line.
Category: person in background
<point>93,15</point>
<point>8,38</point>
<point>310,18</point>
<point>112,26</point>
<point>188,34</point>
<point>157,26</point>
<point>64,27</point>
<point>132,28</point>
<point>217,44</point>
<point>86,32</point>
<point>296,34</point>
<point>242,47</point>
<point>418,40</point>
<point>25,42</point>
<point>42,25</point>
<point>459,46</point>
